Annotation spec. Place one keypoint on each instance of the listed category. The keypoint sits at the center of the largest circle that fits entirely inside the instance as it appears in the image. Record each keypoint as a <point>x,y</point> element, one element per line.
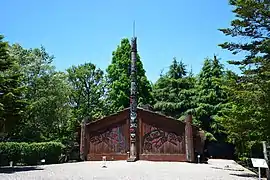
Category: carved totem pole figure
<point>133,102</point>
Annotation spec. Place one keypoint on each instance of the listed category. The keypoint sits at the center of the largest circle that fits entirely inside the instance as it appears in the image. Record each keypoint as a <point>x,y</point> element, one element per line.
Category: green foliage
<point>48,112</point>
<point>177,70</point>
<point>174,92</point>
<point>12,101</point>
<point>248,118</point>
<point>118,79</point>
<point>30,154</point>
<point>210,97</point>
<point>38,103</point>
<point>87,97</point>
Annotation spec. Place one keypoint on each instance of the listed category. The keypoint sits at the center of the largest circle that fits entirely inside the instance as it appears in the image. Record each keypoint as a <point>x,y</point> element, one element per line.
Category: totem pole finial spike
<point>134,28</point>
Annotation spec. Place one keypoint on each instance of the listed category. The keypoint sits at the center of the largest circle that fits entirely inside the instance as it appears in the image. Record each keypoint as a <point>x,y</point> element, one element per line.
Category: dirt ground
<point>140,170</point>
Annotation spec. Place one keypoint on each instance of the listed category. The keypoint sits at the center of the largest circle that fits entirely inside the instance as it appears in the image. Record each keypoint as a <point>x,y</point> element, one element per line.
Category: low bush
<point>30,153</point>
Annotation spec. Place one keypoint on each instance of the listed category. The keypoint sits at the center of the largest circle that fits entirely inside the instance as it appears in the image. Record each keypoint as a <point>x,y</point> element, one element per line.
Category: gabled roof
<point>106,118</point>
<point>124,114</point>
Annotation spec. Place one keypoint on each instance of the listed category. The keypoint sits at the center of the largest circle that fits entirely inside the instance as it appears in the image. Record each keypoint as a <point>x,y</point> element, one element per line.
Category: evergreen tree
<point>118,79</point>
<point>177,69</point>
<point>210,96</point>
<point>173,91</point>
<point>248,119</point>
<point>12,102</point>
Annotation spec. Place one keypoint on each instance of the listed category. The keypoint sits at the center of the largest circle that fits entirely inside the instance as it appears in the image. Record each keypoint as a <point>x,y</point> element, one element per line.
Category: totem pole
<point>133,102</point>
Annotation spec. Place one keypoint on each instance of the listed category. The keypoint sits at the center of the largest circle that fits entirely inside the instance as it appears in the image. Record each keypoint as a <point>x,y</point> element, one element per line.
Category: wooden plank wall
<point>111,141</point>
<point>161,140</point>
<point>157,140</point>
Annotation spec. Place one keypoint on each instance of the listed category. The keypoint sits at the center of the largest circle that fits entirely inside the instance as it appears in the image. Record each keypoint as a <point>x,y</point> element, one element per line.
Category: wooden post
<point>133,104</point>
<point>266,158</point>
<point>189,139</point>
<point>83,148</point>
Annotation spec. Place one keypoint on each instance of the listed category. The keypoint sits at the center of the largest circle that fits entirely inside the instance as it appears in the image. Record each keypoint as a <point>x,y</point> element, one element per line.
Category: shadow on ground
<point>244,175</point>
<point>18,169</point>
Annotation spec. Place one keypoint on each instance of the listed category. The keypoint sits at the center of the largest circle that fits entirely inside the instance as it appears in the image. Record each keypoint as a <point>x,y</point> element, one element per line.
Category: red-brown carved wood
<point>111,141</point>
<point>160,138</point>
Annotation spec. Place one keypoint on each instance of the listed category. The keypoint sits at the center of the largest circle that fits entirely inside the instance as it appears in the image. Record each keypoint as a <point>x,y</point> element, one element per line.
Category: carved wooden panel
<point>110,140</point>
<point>156,140</point>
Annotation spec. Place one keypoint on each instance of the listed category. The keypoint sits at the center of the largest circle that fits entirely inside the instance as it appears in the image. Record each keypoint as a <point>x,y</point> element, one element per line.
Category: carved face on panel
<point>156,137</point>
<point>111,137</point>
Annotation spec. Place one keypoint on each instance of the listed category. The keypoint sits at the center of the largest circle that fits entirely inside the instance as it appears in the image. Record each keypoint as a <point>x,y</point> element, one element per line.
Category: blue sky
<point>82,31</point>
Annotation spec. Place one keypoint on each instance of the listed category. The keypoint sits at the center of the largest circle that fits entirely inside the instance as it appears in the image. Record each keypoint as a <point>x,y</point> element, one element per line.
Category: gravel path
<point>140,170</point>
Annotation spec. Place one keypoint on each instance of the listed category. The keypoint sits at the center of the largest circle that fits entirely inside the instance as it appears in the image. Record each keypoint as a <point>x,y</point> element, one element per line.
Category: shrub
<point>10,151</point>
<point>30,154</point>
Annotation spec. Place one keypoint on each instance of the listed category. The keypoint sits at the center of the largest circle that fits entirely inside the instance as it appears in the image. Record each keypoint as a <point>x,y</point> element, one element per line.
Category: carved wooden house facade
<point>159,138</point>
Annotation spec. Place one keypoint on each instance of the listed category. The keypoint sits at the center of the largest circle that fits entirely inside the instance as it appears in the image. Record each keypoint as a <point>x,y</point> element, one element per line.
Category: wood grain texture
<point>109,157</point>
<point>159,138</point>
<point>163,157</point>
<point>112,139</point>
